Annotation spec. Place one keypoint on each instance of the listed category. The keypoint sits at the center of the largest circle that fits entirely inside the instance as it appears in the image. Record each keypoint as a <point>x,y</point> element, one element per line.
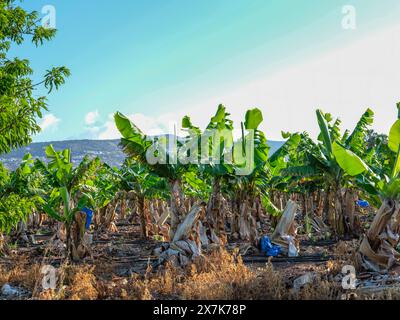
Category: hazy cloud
<point>49,121</point>
<point>92,117</point>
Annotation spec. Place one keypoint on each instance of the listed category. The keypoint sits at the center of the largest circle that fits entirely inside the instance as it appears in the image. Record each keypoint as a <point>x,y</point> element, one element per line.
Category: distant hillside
<point>274,145</point>
<point>107,150</point>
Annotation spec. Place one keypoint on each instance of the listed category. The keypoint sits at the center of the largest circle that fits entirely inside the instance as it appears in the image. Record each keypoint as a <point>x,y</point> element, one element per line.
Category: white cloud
<point>343,82</point>
<point>149,125</point>
<point>109,130</point>
<point>92,117</point>
<point>49,121</point>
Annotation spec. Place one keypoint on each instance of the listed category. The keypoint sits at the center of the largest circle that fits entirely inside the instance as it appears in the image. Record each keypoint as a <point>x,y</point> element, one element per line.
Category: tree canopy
<point>20,108</point>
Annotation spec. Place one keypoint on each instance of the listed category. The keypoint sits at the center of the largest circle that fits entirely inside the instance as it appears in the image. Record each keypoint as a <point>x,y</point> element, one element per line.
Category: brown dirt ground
<point>122,267</point>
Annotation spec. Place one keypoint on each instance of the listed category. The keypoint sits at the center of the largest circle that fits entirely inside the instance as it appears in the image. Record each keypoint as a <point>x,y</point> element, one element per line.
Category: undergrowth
<point>219,275</point>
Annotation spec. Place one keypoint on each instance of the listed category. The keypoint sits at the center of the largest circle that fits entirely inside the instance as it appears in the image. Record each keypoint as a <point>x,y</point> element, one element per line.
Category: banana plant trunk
<point>123,198</point>
<point>77,247</point>
<point>178,210</point>
<point>4,250</point>
<point>335,207</point>
<point>215,215</point>
<point>339,226</point>
<point>99,217</point>
<point>143,221</point>
<point>350,212</point>
<point>247,221</point>
<point>110,216</point>
<point>377,251</point>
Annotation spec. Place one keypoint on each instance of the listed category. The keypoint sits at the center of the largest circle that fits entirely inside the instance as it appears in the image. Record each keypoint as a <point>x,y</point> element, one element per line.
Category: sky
<point>159,60</point>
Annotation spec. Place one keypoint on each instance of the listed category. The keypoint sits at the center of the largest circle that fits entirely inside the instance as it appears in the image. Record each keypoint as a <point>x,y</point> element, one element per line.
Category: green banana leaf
<point>348,161</point>
<point>65,197</point>
<point>52,213</point>
<point>326,138</point>
<point>394,137</point>
<point>253,119</point>
<point>127,129</point>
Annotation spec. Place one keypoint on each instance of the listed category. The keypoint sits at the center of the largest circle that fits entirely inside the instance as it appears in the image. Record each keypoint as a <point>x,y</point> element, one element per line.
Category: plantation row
<point>191,205</point>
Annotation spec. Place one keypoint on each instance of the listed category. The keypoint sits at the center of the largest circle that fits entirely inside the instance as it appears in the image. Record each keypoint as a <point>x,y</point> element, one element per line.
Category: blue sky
<point>157,60</point>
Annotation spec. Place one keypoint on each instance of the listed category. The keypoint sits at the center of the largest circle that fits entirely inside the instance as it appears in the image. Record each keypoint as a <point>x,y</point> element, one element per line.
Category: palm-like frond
<point>357,139</point>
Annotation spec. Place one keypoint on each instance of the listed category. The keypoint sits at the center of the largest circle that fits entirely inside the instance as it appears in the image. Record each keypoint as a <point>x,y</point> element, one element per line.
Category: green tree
<point>19,107</point>
<point>322,162</point>
<point>72,190</point>
<point>143,184</point>
<point>20,192</point>
<point>377,250</point>
<point>137,145</point>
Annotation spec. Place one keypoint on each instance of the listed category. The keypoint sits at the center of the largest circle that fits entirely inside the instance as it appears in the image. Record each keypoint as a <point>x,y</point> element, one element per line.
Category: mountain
<point>107,150</point>
<point>274,146</point>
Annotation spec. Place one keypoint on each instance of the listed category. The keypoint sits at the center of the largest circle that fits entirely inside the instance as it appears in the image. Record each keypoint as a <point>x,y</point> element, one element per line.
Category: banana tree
<point>106,196</point>
<point>211,147</point>
<point>378,248</point>
<point>235,169</point>
<point>321,162</point>
<point>243,178</point>
<point>145,185</point>
<point>4,176</point>
<point>284,158</point>
<point>72,192</point>
<point>159,155</point>
<point>20,192</point>
<point>251,188</point>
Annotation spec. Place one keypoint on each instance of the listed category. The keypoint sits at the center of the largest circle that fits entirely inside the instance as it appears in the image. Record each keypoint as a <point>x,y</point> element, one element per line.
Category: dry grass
<point>74,283</point>
<point>219,275</point>
<point>82,284</point>
<point>346,251</point>
<point>20,275</point>
<point>385,294</point>
<point>319,290</point>
<point>134,288</point>
<point>346,254</point>
<point>224,276</point>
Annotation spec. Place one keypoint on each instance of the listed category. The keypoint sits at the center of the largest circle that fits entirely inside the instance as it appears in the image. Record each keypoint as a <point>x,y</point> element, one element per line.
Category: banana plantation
<point>207,213</point>
<point>329,202</point>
